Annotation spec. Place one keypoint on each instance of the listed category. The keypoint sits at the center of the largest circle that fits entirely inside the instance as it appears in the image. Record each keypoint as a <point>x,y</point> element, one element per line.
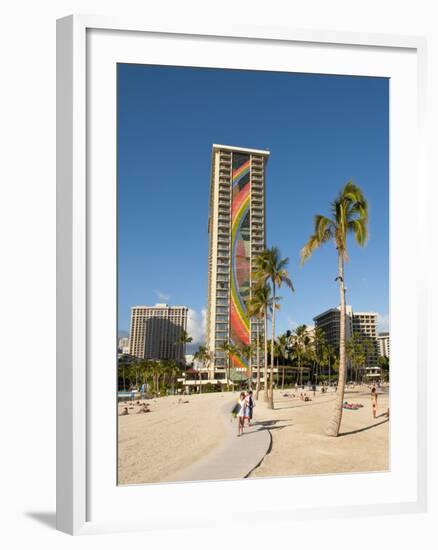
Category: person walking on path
<point>251,406</point>
<point>242,413</point>
<point>374,401</point>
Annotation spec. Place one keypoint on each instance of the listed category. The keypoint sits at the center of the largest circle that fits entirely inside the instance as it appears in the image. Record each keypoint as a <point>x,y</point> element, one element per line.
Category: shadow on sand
<point>272,424</point>
<point>364,429</point>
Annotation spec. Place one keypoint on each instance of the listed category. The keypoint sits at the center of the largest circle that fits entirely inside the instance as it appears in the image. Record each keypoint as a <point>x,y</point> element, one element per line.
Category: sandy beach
<point>157,445</point>
<point>299,446</point>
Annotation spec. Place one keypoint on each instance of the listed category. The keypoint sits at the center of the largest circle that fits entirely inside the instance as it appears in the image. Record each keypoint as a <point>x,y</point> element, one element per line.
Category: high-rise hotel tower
<point>237,234</point>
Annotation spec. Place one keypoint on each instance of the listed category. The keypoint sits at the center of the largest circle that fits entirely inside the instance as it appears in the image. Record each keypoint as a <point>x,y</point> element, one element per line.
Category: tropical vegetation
<point>348,215</point>
<point>271,269</point>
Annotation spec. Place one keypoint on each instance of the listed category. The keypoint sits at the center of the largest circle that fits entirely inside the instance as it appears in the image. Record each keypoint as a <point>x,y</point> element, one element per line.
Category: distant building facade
<point>362,323</point>
<point>123,345</point>
<point>236,229</point>
<point>329,323</point>
<point>155,331</point>
<point>365,324</point>
<point>383,344</point>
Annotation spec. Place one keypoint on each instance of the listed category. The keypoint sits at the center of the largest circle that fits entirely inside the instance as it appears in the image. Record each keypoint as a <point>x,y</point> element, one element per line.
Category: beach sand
<point>300,447</point>
<point>157,445</point>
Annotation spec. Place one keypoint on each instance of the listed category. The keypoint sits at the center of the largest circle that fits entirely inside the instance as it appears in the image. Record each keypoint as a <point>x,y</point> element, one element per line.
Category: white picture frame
<point>75,217</point>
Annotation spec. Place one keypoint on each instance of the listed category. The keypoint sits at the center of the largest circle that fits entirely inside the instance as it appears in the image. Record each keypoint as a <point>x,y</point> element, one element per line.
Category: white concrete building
<point>123,345</point>
<point>383,344</point>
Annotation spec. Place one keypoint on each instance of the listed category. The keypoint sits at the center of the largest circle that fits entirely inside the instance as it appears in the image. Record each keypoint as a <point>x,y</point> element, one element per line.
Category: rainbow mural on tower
<point>240,330</point>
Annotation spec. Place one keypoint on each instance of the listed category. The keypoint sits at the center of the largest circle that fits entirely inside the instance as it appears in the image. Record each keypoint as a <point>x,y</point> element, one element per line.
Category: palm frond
<point>312,244</point>
<point>352,193</point>
<point>359,230</point>
<point>323,228</point>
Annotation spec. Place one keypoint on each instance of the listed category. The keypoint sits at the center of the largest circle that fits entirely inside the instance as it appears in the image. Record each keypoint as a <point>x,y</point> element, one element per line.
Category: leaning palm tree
<point>271,267</point>
<point>349,214</point>
<point>258,305</point>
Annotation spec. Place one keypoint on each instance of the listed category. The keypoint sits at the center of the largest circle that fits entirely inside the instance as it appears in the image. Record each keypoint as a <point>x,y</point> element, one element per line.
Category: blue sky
<point>321,131</point>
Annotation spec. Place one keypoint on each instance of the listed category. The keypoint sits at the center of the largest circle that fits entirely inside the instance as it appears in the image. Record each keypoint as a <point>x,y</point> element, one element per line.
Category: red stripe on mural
<point>238,200</point>
<point>238,327</point>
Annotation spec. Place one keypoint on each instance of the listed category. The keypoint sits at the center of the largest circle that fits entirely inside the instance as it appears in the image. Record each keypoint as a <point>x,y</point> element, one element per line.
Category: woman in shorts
<point>242,413</point>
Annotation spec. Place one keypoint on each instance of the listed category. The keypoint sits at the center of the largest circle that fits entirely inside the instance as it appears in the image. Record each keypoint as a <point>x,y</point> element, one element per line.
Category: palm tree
<point>257,306</point>
<point>281,351</point>
<point>318,348</point>
<point>247,353</point>
<point>234,351</point>
<point>205,356</point>
<point>333,360</point>
<point>173,370</point>
<point>156,371</point>
<point>301,345</point>
<point>356,353</point>
<point>123,365</point>
<point>226,348</point>
<point>349,214</point>
<point>184,339</point>
<point>271,267</point>
<point>145,371</point>
<point>279,354</point>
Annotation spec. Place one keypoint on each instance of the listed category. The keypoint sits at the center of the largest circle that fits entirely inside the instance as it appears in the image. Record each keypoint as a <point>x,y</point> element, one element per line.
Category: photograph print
<point>253,274</point>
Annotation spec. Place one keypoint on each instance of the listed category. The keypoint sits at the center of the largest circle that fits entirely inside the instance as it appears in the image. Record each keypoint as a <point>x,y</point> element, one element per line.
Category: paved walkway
<point>235,458</point>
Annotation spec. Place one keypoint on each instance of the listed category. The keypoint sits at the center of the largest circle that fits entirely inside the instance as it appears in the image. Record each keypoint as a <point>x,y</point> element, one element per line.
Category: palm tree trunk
<point>258,361</point>
<point>265,362</point>
<point>329,365</point>
<point>282,378</point>
<point>335,422</point>
<point>271,377</point>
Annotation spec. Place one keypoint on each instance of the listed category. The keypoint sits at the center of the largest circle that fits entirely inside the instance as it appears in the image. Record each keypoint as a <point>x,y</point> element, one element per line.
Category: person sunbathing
<point>124,412</point>
<point>352,406</point>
